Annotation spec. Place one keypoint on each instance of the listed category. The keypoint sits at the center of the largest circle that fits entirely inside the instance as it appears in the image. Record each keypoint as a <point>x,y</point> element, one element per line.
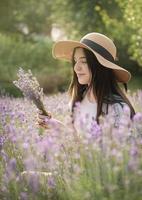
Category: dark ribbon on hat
<point>99,49</point>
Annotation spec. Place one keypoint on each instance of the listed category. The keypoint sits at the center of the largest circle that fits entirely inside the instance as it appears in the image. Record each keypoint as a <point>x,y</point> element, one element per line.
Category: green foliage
<point>15,52</point>
<point>135,83</point>
<point>33,15</point>
<point>37,56</point>
<point>108,18</point>
<point>24,31</point>
<point>132,14</point>
<point>86,16</point>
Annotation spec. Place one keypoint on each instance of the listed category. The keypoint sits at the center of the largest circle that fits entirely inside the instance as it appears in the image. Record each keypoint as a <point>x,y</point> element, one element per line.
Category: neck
<point>90,95</point>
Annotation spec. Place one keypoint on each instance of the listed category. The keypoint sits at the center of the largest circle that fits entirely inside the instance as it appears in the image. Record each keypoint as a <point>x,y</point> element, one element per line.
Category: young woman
<point>95,79</point>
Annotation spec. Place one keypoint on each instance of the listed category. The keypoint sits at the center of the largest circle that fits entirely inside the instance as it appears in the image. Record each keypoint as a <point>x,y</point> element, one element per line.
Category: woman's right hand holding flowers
<point>48,121</point>
<point>43,120</point>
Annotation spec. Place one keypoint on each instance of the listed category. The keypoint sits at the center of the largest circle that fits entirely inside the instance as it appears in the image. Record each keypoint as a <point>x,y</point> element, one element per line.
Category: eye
<point>84,61</point>
<point>81,61</point>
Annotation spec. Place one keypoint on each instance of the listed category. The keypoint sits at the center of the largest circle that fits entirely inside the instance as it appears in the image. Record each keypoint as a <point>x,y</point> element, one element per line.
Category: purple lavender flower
<point>51,182</point>
<point>138,117</point>
<point>10,170</point>
<point>31,163</point>
<point>2,139</point>
<point>31,89</point>
<point>56,150</point>
<point>34,182</point>
<point>23,196</point>
<point>134,151</point>
<point>95,130</point>
<point>4,155</point>
<point>133,165</point>
<point>11,167</point>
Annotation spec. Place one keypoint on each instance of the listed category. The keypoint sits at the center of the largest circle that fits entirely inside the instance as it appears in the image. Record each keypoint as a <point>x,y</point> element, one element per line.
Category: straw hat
<point>102,47</point>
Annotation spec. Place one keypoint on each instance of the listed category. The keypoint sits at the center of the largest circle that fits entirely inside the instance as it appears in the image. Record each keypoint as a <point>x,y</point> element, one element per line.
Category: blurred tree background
<point>29,28</point>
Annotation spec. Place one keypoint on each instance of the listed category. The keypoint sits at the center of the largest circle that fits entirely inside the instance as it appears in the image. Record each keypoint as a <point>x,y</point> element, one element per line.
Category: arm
<point>47,122</point>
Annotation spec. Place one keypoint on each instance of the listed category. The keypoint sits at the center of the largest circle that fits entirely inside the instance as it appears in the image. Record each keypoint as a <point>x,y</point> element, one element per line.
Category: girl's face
<point>81,67</point>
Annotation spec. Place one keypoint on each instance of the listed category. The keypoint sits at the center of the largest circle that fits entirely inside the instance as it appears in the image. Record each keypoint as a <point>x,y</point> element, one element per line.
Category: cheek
<point>89,77</point>
<point>89,74</point>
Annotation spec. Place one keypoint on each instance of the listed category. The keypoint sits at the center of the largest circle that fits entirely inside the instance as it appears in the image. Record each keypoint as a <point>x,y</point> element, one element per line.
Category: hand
<point>49,122</point>
<point>43,120</point>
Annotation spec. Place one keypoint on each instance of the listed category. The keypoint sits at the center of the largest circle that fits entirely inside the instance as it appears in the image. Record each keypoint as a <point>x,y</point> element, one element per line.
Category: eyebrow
<point>80,57</point>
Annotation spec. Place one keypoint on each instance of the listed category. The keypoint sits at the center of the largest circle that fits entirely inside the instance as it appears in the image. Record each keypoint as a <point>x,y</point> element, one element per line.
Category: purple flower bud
<point>34,182</point>
<point>134,151</point>
<point>138,117</point>
<point>4,156</point>
<point>2,139</point>
<point>51,182</point>
<point>95,130</point>
<point>12,164</point>
<point>23,196</point>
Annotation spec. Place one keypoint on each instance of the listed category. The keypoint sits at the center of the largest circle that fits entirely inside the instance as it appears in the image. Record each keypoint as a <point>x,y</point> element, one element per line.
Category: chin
<point>82,83</point>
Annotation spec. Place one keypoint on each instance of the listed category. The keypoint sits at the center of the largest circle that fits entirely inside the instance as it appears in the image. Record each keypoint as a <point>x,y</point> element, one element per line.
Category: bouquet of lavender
<point>30,88</point>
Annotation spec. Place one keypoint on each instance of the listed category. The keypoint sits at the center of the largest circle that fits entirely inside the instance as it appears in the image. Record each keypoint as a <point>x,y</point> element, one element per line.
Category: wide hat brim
<point>64,50</point>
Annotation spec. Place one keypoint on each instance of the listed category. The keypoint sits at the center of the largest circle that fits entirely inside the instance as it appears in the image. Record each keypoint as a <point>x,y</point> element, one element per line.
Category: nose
<point>77,66</point>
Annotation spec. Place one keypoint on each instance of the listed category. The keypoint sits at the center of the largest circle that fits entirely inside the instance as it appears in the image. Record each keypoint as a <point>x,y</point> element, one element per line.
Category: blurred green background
<point>29,28</point>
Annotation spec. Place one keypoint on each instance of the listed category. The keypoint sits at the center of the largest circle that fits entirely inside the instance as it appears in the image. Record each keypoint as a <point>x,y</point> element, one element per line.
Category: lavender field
<point>103,163</point>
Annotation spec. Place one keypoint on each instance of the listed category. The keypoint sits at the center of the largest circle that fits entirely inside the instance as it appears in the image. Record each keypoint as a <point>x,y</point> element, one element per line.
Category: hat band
<point>99,49</point>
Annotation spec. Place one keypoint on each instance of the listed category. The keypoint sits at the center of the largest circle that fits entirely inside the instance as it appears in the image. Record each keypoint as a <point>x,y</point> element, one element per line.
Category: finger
<point>42,117</point>
<point>40,112</point>
<point>43,125</point>
<point>49,115</point>
<point>41,121</point>
<point>45,119</point>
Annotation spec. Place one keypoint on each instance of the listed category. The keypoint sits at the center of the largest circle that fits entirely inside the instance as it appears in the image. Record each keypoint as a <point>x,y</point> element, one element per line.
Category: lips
<point>80,74</point>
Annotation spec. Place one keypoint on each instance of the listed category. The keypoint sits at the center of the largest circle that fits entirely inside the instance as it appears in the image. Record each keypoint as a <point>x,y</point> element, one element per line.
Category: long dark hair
<point>103,83</point>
